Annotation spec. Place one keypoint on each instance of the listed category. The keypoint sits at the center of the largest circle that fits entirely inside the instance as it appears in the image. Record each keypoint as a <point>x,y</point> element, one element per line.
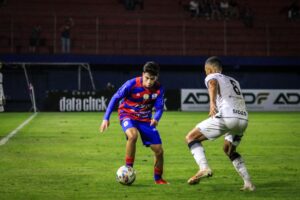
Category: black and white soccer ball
<point>125,175</point>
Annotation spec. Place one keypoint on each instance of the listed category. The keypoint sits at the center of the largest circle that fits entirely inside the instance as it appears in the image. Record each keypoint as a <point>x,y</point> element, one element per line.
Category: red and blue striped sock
<point>157,173</point>
<point>129,161</point>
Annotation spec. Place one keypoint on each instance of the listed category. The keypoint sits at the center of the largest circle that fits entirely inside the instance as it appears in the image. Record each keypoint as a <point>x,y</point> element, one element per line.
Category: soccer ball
<point>125,175</point>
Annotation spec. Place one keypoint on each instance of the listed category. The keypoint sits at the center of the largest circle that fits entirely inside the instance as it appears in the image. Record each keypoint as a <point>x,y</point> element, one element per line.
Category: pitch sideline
<point>14,132</point>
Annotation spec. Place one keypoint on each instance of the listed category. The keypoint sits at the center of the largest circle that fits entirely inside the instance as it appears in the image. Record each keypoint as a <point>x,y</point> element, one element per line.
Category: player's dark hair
<point>215,61</point>
<point>152,68</point>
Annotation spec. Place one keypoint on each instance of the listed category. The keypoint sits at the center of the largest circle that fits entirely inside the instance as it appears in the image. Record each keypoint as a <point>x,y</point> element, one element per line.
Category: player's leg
<point>230,145</point>
<point>151,138</point>
<point>194,139</point>
<point>158,163</point>
<point>1,105</point>
<point>211,129</point>
<point>132,136</point>
<point>129,127</point>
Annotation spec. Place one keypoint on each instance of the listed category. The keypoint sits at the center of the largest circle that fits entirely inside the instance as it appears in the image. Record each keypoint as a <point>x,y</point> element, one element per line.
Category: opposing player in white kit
<point>228,116</point>
<point>2,97</point>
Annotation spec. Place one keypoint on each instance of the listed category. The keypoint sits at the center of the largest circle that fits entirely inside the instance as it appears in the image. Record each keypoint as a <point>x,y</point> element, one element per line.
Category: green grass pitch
<point>63,156</point>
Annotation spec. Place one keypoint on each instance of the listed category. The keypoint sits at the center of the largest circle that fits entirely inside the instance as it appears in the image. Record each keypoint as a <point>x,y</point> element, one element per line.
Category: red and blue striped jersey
<point>137,102</point>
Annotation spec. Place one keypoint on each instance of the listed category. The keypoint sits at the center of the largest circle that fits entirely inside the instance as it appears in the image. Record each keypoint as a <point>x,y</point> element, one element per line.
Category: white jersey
<point>230,101</point>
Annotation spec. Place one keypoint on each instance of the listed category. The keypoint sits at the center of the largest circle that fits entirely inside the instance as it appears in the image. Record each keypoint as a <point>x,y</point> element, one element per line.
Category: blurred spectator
<point>215,10</point>
<point>3,2</point>
<point>140,3</point>
<point>194,8</point>
<point>206,9</point>
<point>224,7</point>
<point>233,9</point>
<point>293,11</point>
<point>110,87</point>
<point>247,16</point>
<point>35,39</point>
<point>66,35</point>
<point>131,4</point>
<point>2,97</point>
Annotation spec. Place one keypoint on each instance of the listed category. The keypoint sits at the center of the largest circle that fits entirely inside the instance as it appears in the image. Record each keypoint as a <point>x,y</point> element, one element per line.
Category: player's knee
<point>189,138</point>
<point>159,152</point>
<point>226,150</point>
<point>132,137</point>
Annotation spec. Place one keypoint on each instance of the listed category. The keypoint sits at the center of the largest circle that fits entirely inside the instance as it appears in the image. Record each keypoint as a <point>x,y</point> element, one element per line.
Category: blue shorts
<point>148,133</point>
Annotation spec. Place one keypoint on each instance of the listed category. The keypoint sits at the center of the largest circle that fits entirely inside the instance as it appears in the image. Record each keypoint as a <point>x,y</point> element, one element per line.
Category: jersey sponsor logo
<point>240,112</point>
<point>82,104</point>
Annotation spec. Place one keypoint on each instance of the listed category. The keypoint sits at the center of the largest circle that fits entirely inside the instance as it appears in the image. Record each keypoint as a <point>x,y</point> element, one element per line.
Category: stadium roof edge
<point>137,60</point>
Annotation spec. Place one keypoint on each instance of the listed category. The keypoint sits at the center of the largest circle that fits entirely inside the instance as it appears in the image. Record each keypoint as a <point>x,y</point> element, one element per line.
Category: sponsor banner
<point>256,100</point>
<point>95,101</point>
<point>77,101</point>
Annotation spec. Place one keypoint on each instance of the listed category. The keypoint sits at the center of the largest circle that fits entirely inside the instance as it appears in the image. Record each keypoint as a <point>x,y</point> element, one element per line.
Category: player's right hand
<point>104,126</point>
<point>212,110</point>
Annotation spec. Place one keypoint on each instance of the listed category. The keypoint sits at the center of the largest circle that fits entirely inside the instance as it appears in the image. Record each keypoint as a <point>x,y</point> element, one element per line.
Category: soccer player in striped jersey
<point>228,116</point>
<point>137,98</point>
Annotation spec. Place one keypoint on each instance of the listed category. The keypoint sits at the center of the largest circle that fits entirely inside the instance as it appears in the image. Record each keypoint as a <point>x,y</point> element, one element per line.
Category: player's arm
<point>110,107</point>
<point>120,94</point>
<point>159,108</point>
<point>212,91</point>
<point>2,97</point>
<point>104,125</point>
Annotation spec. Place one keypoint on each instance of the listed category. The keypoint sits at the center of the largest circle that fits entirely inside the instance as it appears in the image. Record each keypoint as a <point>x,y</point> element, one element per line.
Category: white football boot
<point>248,187</point>
<point>203,173</point>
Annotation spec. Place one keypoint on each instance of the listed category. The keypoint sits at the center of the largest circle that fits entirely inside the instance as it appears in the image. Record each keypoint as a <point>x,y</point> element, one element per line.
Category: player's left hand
<point>153,122</point>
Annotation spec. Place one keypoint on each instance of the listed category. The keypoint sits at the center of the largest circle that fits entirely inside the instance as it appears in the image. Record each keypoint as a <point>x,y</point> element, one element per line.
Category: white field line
<point>14,132</point>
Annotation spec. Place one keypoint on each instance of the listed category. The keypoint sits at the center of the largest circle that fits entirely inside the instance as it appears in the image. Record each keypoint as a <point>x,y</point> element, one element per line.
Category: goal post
<point>31,85</point>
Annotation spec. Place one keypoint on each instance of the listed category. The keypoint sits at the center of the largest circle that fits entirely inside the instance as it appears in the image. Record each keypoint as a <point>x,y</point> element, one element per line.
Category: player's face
<point>208,69</point>
<point>148,80</point>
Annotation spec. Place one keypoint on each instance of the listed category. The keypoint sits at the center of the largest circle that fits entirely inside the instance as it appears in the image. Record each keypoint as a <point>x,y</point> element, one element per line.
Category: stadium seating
<point>105,27</point>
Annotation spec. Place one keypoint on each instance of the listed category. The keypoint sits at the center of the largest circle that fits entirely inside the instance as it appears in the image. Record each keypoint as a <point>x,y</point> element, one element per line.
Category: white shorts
<point>232,128</point>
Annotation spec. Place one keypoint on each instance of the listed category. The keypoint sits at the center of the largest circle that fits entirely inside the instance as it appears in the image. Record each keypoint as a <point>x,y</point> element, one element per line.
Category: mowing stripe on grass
<point>14,132</point>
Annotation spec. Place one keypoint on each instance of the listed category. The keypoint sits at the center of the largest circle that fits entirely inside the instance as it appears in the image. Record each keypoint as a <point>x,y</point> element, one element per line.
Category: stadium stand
<point>162,28</point>
<point>114,42</point>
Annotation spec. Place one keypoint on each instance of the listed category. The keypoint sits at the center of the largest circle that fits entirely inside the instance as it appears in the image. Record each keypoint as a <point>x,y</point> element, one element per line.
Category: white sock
<point>240,167</point>
<point>199,155</point>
